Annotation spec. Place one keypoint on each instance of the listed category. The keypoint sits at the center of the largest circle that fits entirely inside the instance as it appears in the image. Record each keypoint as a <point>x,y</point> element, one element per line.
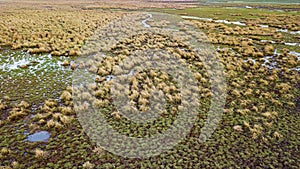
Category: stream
<point>238,23</point>
<point>144,22</point>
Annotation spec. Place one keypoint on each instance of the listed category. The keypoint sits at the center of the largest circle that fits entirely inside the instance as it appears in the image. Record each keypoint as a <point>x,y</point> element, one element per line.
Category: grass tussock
<point>47,31</point>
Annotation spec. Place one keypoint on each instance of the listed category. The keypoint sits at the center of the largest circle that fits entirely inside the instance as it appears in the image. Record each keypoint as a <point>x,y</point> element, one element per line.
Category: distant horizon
<point>230,1</point>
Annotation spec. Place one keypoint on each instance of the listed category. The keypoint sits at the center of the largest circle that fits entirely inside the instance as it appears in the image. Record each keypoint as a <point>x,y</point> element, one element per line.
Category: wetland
<point>42,47</point>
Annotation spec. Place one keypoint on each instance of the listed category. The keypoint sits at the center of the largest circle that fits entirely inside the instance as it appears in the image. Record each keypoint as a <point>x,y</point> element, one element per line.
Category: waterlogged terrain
<point>41,128</point>
<point>33,78</point>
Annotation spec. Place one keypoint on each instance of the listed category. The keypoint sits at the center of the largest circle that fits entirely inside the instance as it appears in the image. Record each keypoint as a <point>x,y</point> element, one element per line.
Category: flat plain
<point>258,45</point>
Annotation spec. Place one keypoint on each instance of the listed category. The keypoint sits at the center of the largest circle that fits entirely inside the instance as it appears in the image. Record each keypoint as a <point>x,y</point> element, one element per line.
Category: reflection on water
<point>12,60</point>
<point>217,21</point>
<point>39,136</point>
<point>264,26</point>
<point>197,18</point>
<point>32,77</point>
<point>292,44</point>
<point>270,61</point>
<point>295,53</point>
<point>144,22</point>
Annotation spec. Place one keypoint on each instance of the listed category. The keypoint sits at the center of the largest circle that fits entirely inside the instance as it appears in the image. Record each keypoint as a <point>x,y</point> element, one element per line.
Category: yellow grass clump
<point>50,31</point>
<point>4,151</point>
<point>66,96</point>
<point>269,49</point>
<point>40,154</point>
<point>88,165</point>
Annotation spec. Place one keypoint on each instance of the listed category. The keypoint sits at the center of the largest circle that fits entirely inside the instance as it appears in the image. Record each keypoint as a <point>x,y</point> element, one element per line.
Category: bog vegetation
<point>260,124</point>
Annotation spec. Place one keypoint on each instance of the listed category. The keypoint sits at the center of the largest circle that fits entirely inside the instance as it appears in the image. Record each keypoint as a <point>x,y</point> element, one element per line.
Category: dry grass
<point>66,96</point>
<point>255,93</point>
<point>50,31</point>
<point>88,165</point>
<point>16,115</point>
<point>4,151</point>
<point>40,154</point>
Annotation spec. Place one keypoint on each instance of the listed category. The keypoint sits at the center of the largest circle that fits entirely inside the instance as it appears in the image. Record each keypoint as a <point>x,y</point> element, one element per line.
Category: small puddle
<point>286,43</point>
<point>110,77</point>
<point>264,26</point>
<point>295,32</point>
<point>228,22</point>
<point>250,59</point>
<point>39,136</point>
<point>267,41</point>
<point>291,44</point>
<point>269,62</point>
<point>282,30</point>
<point>295,53</point>
<point>287,31</point>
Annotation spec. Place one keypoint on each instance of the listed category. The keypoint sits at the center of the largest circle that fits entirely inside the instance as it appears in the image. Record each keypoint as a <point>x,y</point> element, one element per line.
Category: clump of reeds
<point>269,49</point>
<point>40,154</point>
<point>19,111</point>
<point>4,151</point>
<point>34,30</point>
<point>88,165</point>
<point>66,96</point>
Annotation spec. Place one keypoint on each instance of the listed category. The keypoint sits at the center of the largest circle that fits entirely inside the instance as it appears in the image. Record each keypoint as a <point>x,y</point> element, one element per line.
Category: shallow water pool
<point>39,136</point>
<point>32,78</point>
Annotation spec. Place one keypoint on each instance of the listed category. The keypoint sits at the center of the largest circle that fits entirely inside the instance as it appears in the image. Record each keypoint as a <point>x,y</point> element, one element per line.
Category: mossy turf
<point>227,13</point>
<point>43,76</point>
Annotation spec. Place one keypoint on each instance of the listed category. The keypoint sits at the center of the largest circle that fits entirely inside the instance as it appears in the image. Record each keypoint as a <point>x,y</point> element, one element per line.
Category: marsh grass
<point>259,122</point>
<point>37,82</point>
<point>34,33</point>
<point>223,13</point>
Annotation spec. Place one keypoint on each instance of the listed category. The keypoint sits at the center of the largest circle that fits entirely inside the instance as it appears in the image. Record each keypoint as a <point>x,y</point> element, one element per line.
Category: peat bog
<point>259,49</point>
